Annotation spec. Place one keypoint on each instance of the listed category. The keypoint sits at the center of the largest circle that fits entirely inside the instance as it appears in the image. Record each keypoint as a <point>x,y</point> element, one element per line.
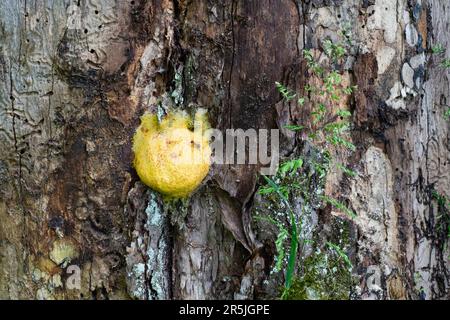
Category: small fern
<point>341,254</point>
<point>438,49</point>
<point>339,205</point>
<point>326,133</point>
<point>445,63</point>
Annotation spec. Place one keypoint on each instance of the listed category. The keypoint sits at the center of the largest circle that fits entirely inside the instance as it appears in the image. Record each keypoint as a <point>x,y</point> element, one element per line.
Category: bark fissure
<point>233,52</point>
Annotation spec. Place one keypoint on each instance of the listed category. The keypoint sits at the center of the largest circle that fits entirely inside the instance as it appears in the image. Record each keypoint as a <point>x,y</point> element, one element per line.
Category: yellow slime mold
<point>169,157</point>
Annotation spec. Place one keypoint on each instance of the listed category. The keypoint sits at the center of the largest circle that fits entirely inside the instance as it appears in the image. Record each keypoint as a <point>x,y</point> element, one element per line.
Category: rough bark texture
<point>76,76</point>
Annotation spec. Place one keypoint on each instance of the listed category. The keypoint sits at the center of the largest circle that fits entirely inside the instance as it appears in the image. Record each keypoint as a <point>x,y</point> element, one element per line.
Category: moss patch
<point>325,276</point>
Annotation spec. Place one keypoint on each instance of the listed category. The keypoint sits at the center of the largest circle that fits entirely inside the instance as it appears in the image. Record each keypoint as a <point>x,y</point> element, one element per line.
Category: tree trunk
<point>76,77</point>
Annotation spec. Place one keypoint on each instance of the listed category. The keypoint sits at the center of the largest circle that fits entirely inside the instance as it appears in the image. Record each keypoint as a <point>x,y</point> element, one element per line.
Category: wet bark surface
<point>76,77</point>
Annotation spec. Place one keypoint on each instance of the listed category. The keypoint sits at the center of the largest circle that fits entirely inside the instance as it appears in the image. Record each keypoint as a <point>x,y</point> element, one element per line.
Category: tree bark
<point>76,77</point>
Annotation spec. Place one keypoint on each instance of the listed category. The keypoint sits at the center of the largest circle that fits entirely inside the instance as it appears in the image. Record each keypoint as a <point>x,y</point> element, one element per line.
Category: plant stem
<point>292,251</point>
<point>294,233</point>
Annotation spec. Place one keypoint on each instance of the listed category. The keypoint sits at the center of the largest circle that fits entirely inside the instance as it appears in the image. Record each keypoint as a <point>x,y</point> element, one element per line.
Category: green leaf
<point>338,140</point>
<point>292,257</point>
<point>307,53</point>
<point>446,63</point>
<point>344,113</point>
<point>341,253</point>
<point>309,88</point>
<point>294,127</point>
<point>290,166</point>
<point>293,233</point>
<point>447,114</point>
<point>279,244</point>
<point>277,189</point>
<point>332,50</point>
<point>346,170</point>
<point>438,49</point>
<point>285,92</point>
<point>335,203</point>
<point>265,190</point>
<point>335,97</point>
<point>312,135</point>
<point>282,236</point>
<point>440,198</point>
<point>337,127</point>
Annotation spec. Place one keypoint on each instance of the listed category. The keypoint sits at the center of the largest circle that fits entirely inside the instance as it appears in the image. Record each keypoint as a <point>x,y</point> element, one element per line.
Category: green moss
<point>341,229</point>
<point>324,276</point>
